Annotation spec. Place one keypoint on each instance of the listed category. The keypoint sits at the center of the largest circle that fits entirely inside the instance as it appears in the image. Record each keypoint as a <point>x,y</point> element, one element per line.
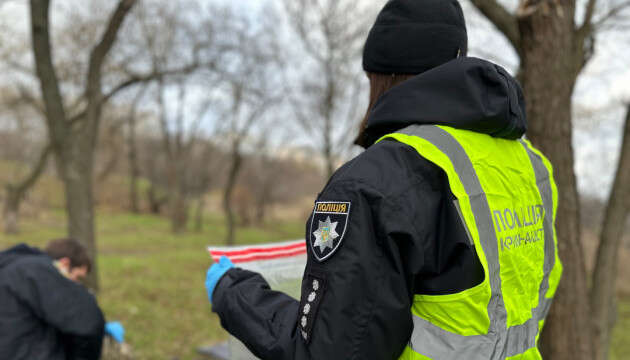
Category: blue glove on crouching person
<point>216,271</point>
<point>116,331</point>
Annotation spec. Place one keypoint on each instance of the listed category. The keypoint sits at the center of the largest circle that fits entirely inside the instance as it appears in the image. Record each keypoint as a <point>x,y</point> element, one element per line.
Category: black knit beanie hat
<point>412,36</point>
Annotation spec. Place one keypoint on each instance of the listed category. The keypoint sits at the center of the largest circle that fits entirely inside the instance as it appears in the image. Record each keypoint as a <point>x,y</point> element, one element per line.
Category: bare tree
<point>263,181</point>
<point>251,73</point>
<point>553,50</point>
<point>73,140</point>
<point>326,101</point>
<point>152,162</point>
<point>265,178</point>
<point>241,120</point>
<point>73,125</point>
<point>179,142</point>
<point>132,152</point>
<point>180,128</point>
<point>208,161</point>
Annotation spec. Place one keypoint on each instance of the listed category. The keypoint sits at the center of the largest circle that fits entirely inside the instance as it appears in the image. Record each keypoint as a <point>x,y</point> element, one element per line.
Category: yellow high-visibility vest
<point>507,199</point>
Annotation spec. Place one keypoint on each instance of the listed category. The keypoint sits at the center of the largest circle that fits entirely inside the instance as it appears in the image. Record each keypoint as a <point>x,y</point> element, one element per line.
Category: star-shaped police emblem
<point>328,227</point>
<point>325,234</point>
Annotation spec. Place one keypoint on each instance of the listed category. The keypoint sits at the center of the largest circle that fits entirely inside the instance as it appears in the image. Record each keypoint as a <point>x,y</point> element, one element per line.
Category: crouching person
<point>45,313</point>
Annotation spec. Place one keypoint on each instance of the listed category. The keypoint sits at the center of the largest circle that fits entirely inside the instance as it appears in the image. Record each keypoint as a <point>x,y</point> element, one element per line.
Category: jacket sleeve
<point>263,319</point>
<point>356,297</point>
<point>64,305</point>
<point>355,304</point>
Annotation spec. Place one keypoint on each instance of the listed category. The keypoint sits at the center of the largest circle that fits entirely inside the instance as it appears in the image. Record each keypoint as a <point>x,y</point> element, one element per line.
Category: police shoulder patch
<point>328,227</point>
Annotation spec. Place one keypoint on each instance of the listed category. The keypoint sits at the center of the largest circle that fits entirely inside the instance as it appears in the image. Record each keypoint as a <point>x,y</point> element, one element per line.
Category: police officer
<point>438,241</point>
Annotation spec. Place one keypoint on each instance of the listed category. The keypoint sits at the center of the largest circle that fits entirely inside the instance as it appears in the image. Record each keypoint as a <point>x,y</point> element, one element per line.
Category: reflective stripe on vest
<point>500,341</point>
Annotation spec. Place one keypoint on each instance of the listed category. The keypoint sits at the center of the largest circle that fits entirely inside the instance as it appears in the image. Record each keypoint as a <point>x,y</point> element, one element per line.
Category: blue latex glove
<point>116,331</point>
<point>216,271</point>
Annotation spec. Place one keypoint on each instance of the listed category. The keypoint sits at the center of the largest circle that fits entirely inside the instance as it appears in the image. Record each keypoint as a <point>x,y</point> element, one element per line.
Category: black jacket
<point>43,315</point>
<point>403,234</point>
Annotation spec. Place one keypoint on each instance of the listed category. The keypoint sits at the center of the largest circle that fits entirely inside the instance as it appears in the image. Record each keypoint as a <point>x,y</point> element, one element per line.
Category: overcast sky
<point>603,86</point>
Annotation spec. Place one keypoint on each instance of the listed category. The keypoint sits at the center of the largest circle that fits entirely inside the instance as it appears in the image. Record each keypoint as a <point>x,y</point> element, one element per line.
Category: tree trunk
<point>328,107</point>
<point>76,175</point>
<point>132,155</point>
<point>228,192</point>
<point>134,169</point>
<point>229,216</point>
<point>155,201</point>
<point>201,204</point>
<point>261,210</point>
<point>179,212</point>
<point>605,272</point>
<point>550,64</point>
<point>11,210</point>
<point>264,200</point>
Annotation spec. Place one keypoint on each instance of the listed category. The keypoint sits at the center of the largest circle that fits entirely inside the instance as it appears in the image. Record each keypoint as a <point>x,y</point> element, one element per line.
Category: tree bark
<point>235,168</point>
<point>11,211</point>
<point>78,188</point>
<point>605,273</point>
<point>134,168</point>
<point>550,64</point>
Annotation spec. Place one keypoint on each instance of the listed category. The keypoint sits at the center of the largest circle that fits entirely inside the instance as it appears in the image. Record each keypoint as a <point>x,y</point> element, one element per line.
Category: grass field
<point>153,281</point>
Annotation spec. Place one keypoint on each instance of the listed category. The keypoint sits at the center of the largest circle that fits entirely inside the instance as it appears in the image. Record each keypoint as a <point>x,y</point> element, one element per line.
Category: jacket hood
<point>10,255</point>
<point>465,93</point>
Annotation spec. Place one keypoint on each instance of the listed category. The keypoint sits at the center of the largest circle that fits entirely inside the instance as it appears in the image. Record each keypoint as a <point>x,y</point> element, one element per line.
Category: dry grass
<point>153,281</point>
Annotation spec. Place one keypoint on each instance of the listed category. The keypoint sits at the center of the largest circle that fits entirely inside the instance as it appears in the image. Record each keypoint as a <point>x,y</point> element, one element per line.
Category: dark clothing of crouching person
<point>45,313</point>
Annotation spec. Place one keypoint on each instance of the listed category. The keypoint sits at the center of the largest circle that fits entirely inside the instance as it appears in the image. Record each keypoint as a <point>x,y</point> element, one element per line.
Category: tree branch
<point>49,83</point>
<point>23,186</point>
<point>505,21</point>
<point>611,14</point>
<point>586,32</point>
<point>154,75</point>
<point>135,79</point>
<point>591,24</point>
<point>98,55</point>
<point>586,26</point>
<point>100,51</point>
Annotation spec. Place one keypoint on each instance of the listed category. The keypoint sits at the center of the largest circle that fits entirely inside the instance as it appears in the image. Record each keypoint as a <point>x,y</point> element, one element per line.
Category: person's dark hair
<point>379,85</point>
<point>71,249</point>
